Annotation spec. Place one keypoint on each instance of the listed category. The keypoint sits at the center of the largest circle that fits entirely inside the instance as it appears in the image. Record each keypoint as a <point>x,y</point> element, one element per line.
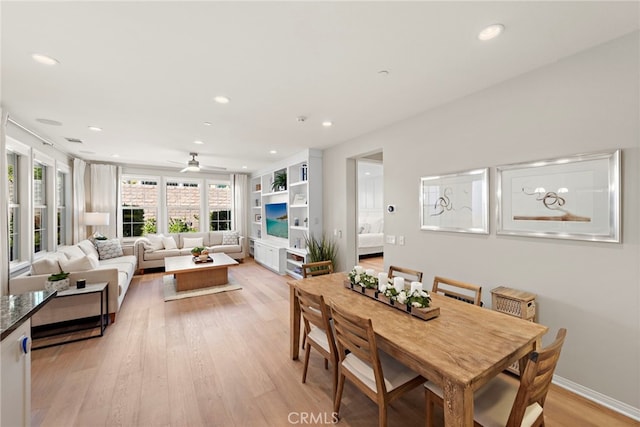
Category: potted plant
<point>279,181</point>
<point>324,249</point>
<point>57,282</point>
<point>198,250</point>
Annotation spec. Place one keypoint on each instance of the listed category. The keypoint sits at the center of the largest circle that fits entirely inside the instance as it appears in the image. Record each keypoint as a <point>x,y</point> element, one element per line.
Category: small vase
<point>58,285</point>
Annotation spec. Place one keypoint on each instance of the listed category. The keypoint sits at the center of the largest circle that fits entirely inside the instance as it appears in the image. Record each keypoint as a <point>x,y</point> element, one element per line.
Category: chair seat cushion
<point>492,403</point>
<point>395,373</point>
<point>319,336</point>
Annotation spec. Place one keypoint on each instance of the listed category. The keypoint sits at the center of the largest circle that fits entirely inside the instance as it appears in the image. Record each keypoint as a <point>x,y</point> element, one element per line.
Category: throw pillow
<point>169,243</point>
<point>72,252</point>
<point>109,248</point>
<point>88,248</point>
<point>84,263</point>
<point>230,237</point>
<point>191,242</point>
<point>155,242</point>
<point>46,265</point>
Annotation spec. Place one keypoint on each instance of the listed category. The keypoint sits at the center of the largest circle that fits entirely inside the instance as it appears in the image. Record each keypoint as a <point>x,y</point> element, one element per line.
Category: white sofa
<point>83,261</point>
<point>152,249</point>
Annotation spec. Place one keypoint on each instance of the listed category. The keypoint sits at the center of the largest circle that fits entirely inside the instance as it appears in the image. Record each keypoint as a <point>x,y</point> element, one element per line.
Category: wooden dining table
<point>460,350</point>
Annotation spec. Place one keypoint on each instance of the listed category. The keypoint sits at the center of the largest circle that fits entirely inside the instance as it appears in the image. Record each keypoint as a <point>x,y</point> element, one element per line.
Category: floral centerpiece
<point>364,278</point>
<point>413,298</point>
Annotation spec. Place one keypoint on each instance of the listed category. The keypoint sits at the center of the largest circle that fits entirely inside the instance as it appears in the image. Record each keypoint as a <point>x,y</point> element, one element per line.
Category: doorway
<point>370,208</point>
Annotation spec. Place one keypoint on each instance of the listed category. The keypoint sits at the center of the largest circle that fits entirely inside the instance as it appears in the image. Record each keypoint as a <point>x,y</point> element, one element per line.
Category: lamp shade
<point>96,218</point>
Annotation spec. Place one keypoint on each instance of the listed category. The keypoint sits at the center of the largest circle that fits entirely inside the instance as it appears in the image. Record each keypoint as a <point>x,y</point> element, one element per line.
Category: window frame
<point>229,221</point>
<point>157,207</point>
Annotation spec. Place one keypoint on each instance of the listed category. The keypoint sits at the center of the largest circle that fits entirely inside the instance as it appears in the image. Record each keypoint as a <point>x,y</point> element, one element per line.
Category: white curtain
<point>239,188</point>
<point>104,196</point>
<point>4,213</point>
<point>79,229</point>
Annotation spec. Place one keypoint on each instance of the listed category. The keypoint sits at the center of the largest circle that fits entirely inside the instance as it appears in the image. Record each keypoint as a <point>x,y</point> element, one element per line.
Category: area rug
<point>170,293</point>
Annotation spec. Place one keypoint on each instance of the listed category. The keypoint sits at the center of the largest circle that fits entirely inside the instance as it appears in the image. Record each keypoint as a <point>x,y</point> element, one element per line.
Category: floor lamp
<point>96,219</point>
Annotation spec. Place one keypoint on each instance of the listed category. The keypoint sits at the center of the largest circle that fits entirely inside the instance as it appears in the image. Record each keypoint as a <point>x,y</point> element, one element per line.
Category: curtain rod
<point>45,141</point>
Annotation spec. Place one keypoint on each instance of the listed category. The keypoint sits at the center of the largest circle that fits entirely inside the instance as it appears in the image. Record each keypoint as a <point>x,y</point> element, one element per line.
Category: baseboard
<point>599,398</point>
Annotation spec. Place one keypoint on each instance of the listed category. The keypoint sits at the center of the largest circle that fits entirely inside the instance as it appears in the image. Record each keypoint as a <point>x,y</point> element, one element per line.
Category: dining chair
<point>504,403</point>
<point>318,333</point>
<point>408,274</point>
<point>459,290</point>
<point>317,268</point>
<point>378,375</point>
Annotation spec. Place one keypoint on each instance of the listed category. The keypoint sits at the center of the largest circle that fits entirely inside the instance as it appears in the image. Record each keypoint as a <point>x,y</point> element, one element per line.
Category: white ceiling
<point>147,72</point>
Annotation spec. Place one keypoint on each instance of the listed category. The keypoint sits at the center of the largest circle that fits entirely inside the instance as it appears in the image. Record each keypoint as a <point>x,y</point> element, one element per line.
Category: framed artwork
<point>456,202</point>
<point>300,199</point>
<point>576,197</point>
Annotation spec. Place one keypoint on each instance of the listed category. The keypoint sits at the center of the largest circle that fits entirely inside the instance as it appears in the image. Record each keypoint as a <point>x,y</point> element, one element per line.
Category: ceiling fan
<point>193,165</point>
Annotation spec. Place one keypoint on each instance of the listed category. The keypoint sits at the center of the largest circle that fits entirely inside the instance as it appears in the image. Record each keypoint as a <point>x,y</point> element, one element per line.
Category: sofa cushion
<point>109,248</point>
<point>155,255</point>
<point>191,242</point>
<point>72,252</point>
<point>88,248</point>
<point>46,265</point>
<point>225,248</point>
<point>169,243</point>
<point>83,263</point>
<point>230,237</point>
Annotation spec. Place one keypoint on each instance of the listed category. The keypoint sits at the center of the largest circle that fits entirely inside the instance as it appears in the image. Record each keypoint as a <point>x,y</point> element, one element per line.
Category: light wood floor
<point>218,360</point>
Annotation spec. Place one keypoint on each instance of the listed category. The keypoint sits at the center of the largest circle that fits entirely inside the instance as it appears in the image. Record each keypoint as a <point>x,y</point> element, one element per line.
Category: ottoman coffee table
<point>190,274</point>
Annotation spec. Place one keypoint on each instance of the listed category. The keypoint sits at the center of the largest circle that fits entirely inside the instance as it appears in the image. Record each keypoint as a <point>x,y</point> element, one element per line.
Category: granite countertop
<point>16,309</point>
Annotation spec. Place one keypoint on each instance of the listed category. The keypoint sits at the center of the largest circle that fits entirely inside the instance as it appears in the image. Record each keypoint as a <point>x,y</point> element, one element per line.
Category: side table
<point>91,288</point>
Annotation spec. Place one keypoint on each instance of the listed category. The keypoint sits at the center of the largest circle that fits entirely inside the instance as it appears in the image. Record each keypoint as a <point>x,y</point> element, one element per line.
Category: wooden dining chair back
<point>318,332</point>
<point>364,365</point>
<point>317,268</point>
<point>408,274</point>
<point>459,290</point>
<point>502,402</point>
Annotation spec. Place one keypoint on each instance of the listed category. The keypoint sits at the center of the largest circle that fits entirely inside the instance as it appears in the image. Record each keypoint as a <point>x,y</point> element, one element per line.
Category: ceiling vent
<point>74,140</point>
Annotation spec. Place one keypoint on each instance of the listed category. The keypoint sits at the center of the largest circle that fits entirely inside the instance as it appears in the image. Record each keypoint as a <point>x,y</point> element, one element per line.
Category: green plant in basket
<point>58,276</point>
<point>197,250</point>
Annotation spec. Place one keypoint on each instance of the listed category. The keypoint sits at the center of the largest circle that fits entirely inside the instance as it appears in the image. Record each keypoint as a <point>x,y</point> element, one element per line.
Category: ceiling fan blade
<point>213,168</point>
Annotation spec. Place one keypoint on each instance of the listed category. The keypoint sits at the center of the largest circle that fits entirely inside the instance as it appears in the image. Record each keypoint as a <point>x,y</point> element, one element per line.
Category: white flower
<point>402,297</point>
<point>382,287</point>
<point>416,304</point>
<point>358,269</point>
<point>356,278</point>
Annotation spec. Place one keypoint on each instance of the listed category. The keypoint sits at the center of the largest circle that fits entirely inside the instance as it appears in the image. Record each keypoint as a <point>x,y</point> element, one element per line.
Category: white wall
<point>585,103</point>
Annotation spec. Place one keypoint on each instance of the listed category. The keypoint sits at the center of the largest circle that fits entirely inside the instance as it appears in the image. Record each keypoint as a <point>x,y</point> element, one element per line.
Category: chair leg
<point>307,351</point>
<point>326,363</point>
<point>429,408</point>
<point>382,415</point>
<point>338,398</point>
<point>335,379</point>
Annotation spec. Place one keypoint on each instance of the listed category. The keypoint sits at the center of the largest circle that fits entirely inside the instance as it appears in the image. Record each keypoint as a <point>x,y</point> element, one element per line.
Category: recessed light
<point>95,128</point>
<point>44,59</point>
<point>207,123</point>
<point>221,99</point>
<point>198,142</point>
<point>327,123</point>
<point>244,167</point>
<point>115,155</point>
<point>49,122</point>
<point>491,32</point>
<point>273,152</point>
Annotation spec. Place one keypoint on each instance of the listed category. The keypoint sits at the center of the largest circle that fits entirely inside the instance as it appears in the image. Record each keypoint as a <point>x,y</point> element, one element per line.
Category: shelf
<point>256,207</point>
<point>295,184</point>
<point>294,274</point>
<point>275,193</point>
<point>293,227</point>
<point>257,223</point>
<point>297,251</point>
<point>299,206</point>
<point>294,262</point>
<point>257,192</point>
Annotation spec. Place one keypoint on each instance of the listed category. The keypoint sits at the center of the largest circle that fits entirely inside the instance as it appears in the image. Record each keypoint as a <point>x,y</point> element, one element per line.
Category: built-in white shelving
<point>302,196</point>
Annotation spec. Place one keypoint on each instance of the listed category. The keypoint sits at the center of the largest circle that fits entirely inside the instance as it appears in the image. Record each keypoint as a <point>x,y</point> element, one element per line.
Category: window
<point>62,203</point>
<point>139,206</point>
<point>14,207</point>
<point>183,206</point>
<point>219,197</point>
<point>39,207</point>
